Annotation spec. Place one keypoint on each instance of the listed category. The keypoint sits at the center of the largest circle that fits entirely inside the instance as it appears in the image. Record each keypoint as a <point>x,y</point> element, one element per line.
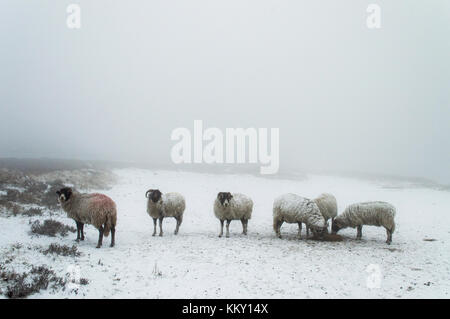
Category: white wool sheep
<point>165,205</point>
<point>291,208</point>
<point>328,207</point>
<point>96,209</point>
<point>230,207</point>
<point>367,213</point>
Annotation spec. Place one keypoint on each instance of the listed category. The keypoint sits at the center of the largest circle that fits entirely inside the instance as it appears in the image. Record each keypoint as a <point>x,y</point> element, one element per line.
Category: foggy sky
<point>344,97</point>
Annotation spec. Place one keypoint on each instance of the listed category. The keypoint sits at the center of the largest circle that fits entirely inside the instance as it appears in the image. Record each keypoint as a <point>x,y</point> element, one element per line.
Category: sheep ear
<point>58,193</point>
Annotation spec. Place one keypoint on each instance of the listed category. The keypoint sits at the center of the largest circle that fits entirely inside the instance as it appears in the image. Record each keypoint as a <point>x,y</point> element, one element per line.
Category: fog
<point>344,97</point>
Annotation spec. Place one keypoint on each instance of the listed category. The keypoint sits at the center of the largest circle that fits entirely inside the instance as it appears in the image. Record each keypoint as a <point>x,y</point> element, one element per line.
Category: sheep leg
<point>179,220</point>
<point>82,231</point>
<point>221,228</point>
<point>228,228</point>
<point>100,237</point>
<point>307,231</point>
<point>299,230</point>
<point>244,226</point>
<point>113,236</point>
<point>277,226</point>
<point>160,226</point>
<point>389,236</point>
<point>154,226</point>
<point>359,232</point>
<point>78,232</point>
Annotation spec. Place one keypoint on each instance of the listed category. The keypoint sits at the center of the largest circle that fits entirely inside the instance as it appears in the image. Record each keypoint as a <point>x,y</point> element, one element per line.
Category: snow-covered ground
<point>198,264</point>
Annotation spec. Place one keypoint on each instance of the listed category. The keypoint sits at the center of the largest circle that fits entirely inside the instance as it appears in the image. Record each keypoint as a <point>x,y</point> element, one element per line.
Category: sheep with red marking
<point>96,209</point>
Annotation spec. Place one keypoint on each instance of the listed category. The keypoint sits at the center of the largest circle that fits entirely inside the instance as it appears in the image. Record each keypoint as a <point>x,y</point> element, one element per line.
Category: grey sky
<point>344,97</point>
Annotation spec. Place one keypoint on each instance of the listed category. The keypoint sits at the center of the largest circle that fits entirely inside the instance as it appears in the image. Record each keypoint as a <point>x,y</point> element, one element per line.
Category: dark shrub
<point>12,195</point>
<point>6,205</point>
<point>62,250</point>
<point>84,281</point>
<point>49,199</point>
<point>32,212</point>
<point>50,228</point>
<point>25,284</point>
<point>36,188</point>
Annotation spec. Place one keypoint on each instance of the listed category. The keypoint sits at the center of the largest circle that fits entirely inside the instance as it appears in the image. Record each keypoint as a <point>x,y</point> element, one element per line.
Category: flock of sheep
<point>100,211</point>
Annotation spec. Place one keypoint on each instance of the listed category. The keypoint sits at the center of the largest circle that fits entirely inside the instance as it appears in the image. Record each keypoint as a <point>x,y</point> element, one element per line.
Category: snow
<point>198,264</point>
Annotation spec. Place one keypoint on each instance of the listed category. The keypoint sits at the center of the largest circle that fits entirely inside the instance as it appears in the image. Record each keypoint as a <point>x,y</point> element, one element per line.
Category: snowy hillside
<point>198,264</point>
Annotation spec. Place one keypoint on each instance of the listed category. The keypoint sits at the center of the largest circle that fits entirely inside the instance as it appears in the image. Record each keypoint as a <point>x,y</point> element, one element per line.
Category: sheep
<point>367,213</point>
<point>230,207</point>
<point>328,207</point>
<point>96,209</point>
<point>291,208</point>
<point>165,205</point>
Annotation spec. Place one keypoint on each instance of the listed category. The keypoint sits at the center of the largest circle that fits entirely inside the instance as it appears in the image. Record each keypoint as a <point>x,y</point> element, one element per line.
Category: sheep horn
<point>149,191</point>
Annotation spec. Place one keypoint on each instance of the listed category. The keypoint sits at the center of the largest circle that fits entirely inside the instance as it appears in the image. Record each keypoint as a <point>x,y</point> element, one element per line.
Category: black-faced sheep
<point>96,209</point>
<point>228,207</point>
<point>367,213</point>
<point>165,205</point>
<point>291,208</point>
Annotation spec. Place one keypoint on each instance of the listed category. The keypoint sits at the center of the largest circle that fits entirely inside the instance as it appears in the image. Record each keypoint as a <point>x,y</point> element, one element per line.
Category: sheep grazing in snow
<point>368,213</point>
<point>96,209</point>
<point>228,207</point>
<point>291,208</point>
<point>165,205</point>
<point>328,207</point>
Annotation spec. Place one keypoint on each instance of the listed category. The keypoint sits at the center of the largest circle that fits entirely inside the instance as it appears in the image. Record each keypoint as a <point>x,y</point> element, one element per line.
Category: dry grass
<point>38,187</point>
<point>62,250</point>
<point>51,228</point>
<point>328,237</point>
<point>21,285</point>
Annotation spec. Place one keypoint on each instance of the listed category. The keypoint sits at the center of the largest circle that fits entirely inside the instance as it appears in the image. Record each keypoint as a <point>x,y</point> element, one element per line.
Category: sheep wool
<point>170,205</point>
<point>291,208</point>
<point>161,205</point>
<point>327,204</point>
<point>367,213</point>
<point>96,209</point>
<point>240,207</point>
<point>236,206</point>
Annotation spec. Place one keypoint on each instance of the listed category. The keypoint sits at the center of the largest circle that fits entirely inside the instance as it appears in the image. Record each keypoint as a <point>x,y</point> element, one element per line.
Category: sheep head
<point>224,198</point>
<point>335,226</point>
<point>64,194</point>
<point>149,191</point>
<point>155,195</point>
